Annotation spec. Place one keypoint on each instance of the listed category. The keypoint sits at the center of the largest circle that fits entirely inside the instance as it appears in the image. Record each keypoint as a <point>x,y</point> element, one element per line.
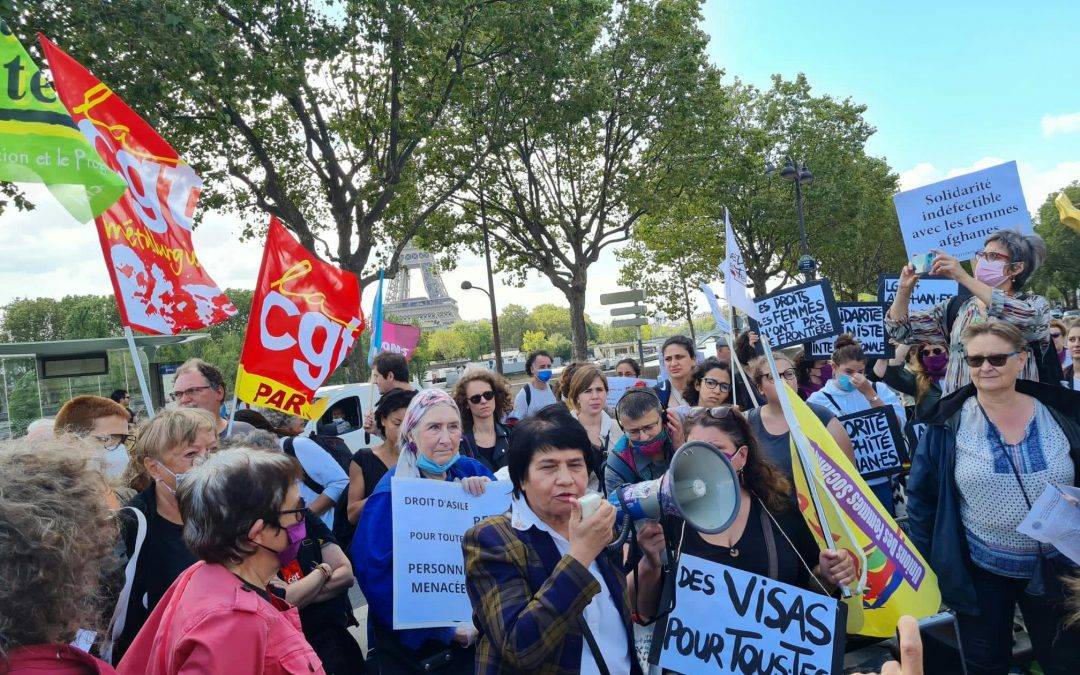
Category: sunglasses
<point>716,384</point>
<point>1055,335</point>
<point>720,412</point>
<point>486,396</point>
<point>996,360</point>
<point>933,351</point>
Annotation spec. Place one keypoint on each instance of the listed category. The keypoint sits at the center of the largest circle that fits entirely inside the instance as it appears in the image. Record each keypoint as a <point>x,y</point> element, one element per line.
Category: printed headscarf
<point>418,407</point>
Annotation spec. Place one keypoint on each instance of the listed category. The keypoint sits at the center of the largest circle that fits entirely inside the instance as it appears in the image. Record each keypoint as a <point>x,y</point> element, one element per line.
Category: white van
<point>354,401</point>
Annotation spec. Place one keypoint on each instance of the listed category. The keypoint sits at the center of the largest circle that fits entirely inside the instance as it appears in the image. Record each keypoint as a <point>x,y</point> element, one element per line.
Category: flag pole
<point>137,362</point>
<point>801,444</point>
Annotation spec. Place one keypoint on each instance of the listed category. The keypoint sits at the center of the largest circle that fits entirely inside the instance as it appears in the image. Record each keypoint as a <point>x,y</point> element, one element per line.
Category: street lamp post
<point>490,290</point>
<point>798,174</point>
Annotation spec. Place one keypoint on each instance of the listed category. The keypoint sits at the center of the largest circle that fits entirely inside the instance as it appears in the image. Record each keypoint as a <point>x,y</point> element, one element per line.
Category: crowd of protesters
<point>196,544</point>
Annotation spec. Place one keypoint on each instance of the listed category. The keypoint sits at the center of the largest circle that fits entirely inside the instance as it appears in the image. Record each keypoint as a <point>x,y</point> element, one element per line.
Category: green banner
<point>39,143</point>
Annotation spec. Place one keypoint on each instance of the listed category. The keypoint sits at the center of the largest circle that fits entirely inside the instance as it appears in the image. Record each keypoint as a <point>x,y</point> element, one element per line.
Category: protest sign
<point>928,291</point>
<point>957,214</point>
<point>866,322</point>
<point>305,317</point>
<point>799,314</point>
<point>617,386</point>
<point>430,520</point>
<point>878,442</point>
<point>730,621</point>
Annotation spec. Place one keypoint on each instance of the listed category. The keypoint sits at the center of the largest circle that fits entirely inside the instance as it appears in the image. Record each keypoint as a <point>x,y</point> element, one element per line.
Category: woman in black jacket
<point>991,449</point>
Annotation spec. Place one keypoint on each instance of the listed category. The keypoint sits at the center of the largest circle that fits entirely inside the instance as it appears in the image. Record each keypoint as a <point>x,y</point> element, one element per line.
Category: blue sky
<point>951,86</point>
<point>946,83</point>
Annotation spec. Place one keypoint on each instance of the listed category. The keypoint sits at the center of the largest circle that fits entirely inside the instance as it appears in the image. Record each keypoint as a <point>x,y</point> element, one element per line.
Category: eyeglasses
<point>301,507</point>
<point>933,351</point>
<point>720,412</point>
<point>190,391</point>
<point>486,396</point>
<point>716,384</point>
<point>111,441</point>
<point>1055,335</point>
<point>996,360</point>
<point>992,256</point>
<point>788,375</point>
<point>648,430</point>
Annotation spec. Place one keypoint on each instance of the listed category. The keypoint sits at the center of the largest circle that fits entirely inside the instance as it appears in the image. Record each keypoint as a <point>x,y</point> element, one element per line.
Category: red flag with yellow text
<point>160,286</point>
<point>305,317</point>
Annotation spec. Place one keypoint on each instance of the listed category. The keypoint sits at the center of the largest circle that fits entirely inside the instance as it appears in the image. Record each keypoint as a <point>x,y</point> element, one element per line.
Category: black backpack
<point>339,450</point>
<point>1046,361</point>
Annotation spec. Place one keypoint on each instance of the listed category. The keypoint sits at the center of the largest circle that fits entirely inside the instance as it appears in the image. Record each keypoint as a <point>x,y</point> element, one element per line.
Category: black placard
<point>865,321</point>
<point>792,316</point>
<point>878,442</point>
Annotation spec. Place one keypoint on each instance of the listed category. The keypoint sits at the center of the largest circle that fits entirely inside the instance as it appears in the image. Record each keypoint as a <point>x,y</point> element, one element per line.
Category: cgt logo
<point>323,342</point>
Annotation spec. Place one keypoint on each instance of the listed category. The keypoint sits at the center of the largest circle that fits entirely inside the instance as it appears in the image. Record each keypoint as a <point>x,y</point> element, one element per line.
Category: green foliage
<point>340,117</point>
<point>850,223</point>
<point>513,321</point>
<point>1059,276</point>
<point>592,154</point>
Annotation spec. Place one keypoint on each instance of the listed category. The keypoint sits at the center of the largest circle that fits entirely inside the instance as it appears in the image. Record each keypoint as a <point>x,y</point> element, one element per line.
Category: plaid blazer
<point>528,600</point>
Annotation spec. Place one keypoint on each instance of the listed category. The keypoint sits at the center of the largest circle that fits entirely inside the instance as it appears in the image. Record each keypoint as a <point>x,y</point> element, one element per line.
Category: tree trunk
<point>689,312</point>
<point>579,331</point>
<point>758,280</point>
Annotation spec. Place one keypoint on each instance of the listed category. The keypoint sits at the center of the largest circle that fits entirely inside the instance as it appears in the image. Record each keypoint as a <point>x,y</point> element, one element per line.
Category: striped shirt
<point>1028,312</point>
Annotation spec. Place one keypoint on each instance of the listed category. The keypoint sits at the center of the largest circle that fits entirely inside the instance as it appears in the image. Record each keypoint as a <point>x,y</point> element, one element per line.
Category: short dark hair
<point>635,403</point>
<point>392,363</point>
<point>532,357</point>
<point>633,364</point>
<point>118,395</point>
<point>691,394</point>
<point>398,399</point>
<point>681,340</point>
<point>847,349</point>
<point>223,497</point>
<point>551,428</point>
<point>213,376</point>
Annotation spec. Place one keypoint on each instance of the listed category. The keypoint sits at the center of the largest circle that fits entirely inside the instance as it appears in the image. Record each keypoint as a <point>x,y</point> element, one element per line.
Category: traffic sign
<point>637,310</point>
<point>622,296</point>
<point>628,323</point>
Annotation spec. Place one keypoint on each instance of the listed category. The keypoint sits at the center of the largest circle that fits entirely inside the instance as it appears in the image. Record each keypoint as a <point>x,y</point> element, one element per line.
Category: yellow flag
<point>894,579</point>
<point>1069,214</point>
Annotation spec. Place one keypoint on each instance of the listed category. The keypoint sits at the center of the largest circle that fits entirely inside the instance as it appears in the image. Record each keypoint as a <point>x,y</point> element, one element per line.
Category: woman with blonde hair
<point>167,447</point>
<point>56,540</point>
<point>483,397</point>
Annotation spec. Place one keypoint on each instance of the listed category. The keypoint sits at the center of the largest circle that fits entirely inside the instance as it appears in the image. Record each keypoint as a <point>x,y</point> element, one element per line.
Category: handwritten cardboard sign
<point>799,314</point>
<point>866,322</point>
<point>956,215</point>
<point>730,621</point>
<point>430,519</point>
<point>878,442</point>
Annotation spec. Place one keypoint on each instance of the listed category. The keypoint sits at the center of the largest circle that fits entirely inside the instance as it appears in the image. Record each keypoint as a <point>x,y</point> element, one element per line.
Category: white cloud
<point>1037,183</point>
<point>1066,123</point>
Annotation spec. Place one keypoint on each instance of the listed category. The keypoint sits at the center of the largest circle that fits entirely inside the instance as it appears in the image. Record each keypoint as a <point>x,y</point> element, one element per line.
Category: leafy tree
<point>1059,276</point>
<point>849,221</point>
<point>340,117</point>
<point>592,153</point>
<point>513,321</point>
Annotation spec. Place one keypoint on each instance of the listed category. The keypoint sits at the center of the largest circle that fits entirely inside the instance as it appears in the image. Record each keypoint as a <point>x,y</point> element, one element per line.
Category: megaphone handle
<point>624,534</point>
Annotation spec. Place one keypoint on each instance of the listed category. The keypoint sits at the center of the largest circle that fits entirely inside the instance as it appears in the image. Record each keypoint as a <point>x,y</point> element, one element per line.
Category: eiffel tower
<point>437,310</point>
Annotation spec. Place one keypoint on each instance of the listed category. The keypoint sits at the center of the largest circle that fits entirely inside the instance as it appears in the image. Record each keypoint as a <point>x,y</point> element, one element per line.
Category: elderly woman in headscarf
<point>429,437</point>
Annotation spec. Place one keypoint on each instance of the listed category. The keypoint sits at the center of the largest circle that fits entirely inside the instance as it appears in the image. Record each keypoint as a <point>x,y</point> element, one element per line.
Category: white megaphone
<point>700,486</point>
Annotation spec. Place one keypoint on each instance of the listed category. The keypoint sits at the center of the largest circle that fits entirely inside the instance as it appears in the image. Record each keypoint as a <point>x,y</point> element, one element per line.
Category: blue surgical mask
<point>425,464</point>
<point>544,375</point>
<point>844,382</point>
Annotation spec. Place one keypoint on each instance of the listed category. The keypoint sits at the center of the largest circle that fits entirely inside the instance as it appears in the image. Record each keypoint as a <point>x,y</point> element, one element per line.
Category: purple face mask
<point>936,365</point>
<point>991,272</point>
<point>296,534</point>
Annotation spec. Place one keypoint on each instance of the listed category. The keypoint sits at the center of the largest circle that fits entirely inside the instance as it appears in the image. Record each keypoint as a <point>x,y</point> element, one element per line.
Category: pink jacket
<point>55,660</point>
<point>209,622</point>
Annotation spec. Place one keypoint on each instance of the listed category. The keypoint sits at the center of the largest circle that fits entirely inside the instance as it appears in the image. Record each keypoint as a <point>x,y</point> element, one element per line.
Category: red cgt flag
<point>160,286</point>
<point>305,317</point>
